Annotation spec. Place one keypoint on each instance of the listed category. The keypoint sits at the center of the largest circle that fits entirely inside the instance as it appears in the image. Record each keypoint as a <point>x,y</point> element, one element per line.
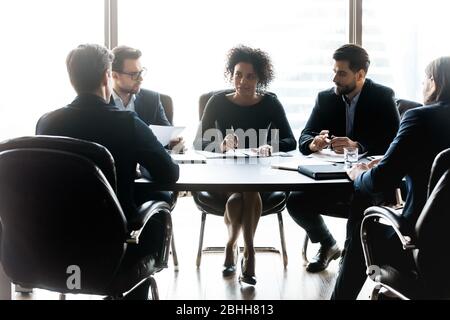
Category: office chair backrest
<point>204,98</point>
<point>432,229</point>
<point>440,164</point>
<point>405,105</point>
<point>98,154</point>
<point>59,214</point>
<point>433,257</point>
<point>167,103</point>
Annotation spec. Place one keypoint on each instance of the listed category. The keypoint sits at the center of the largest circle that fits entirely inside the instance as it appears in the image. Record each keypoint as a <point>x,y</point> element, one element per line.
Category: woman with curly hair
<point>247,109</point>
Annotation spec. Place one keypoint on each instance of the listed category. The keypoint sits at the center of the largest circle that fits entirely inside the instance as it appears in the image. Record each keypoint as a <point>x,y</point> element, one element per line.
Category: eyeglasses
<point>135,75</point>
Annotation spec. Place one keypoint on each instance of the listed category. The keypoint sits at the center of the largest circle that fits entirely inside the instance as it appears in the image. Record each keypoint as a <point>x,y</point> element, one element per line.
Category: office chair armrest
<point>401,227</point>
<point>145,212</point>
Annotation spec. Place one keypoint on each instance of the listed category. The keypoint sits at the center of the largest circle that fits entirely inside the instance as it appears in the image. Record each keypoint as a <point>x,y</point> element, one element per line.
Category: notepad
<point>188,158</point>
<point>323,171</point>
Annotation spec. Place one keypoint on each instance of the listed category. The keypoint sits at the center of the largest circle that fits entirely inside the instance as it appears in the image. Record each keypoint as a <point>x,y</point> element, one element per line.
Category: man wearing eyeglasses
<point>127,75</point>
<point>127,94</point>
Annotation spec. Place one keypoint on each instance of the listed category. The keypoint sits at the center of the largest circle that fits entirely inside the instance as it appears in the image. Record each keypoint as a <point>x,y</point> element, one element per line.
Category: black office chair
<point>59,210</point>
<point>404,105</point>
<point>210,203</point>
<point>167,104</point>
<point>426,242</point>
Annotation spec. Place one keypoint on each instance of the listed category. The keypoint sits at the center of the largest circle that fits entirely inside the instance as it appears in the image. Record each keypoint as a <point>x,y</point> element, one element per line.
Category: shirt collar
<point>119,103</point>
<point>351,102</point>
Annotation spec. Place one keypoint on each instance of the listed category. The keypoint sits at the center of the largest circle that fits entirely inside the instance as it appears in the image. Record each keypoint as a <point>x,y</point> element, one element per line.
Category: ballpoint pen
<point>329,136</point>
<point>228,132</point>
<point>234,136</point>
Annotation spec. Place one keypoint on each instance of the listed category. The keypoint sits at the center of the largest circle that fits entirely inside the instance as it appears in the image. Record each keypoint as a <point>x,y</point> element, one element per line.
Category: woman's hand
<point>230,142</point>
<point>264,150</point>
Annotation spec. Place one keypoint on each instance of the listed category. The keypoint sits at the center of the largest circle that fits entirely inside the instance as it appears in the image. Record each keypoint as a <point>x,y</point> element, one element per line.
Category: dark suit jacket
<point>375,124</point>
<point>423,133</point>
<point>149,108</point>
<point>128,139</point>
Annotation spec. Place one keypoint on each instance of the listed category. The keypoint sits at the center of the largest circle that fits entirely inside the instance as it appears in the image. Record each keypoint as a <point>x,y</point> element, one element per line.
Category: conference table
<point>245,174</point>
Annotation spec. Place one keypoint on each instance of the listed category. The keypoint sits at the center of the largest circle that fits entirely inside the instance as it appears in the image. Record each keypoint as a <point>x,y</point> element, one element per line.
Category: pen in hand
<point>328,136</point>
<point>230,141</point>
<point>234,137</point>
<point>314,133</point>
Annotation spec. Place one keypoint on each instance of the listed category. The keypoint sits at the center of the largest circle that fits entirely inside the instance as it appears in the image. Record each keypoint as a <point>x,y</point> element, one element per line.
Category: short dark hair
<point>439,70</point>
<point>259,59</point>
<point>357,57</point>
<point>86,66</point>
<point>121,53</point>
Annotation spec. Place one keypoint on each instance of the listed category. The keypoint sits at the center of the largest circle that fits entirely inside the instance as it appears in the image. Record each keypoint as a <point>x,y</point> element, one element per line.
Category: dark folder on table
<point>323,171</point>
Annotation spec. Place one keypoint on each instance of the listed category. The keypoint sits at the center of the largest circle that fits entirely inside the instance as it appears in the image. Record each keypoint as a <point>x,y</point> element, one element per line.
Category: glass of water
<point>350,157</point>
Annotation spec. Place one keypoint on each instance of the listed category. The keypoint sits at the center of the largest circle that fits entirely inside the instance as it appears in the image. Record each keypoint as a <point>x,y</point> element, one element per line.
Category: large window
<point>36,38</point>
<point>402,37</point>
<point>185,43</point>
<point>184,46</point>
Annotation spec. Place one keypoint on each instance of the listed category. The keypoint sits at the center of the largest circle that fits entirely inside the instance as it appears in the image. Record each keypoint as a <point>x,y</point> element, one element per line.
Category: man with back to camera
<point>91,117</point>
<point>357,112</point>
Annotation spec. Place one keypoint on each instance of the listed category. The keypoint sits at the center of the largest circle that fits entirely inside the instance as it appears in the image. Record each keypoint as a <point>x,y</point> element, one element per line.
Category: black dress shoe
<point>245,277</point>
<point>231,269</point>
<point>323,258</point>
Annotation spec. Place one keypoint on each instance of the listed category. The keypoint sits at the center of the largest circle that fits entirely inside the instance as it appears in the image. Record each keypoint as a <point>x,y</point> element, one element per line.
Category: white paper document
<point>253,152</point>
<point>240,153</point>
<point>293,165</point>
<point>189,157</point>
<point>330,155</point>
<point>166,133</point>
<point>229,154</point>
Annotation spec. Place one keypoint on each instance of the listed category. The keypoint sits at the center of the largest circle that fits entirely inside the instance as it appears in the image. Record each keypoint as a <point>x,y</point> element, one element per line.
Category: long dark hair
<point>439,71</point>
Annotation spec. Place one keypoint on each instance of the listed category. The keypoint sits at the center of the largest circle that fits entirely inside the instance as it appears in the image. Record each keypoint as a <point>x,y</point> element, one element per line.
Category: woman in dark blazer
<point>423,133</point>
